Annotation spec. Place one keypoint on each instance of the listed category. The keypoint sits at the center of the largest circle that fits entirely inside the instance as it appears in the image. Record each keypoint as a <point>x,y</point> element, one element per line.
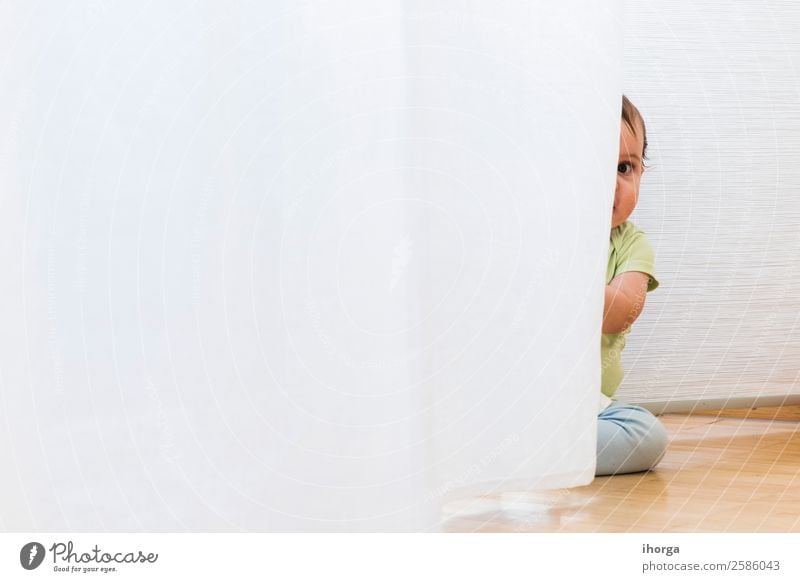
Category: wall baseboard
<point>730,406</point>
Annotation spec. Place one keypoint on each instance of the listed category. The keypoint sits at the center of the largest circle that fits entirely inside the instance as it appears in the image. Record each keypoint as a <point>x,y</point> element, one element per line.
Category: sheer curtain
<point>313,266</point>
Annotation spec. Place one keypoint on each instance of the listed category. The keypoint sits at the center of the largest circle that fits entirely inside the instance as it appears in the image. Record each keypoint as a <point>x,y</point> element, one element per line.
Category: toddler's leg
<point>629,439</point>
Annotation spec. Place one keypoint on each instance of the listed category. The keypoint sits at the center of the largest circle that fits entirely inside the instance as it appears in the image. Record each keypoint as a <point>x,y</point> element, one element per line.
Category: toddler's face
<point>629,173</point>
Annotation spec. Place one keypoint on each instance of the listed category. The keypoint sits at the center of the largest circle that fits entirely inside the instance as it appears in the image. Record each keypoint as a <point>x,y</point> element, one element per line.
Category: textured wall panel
<point>719,86</point>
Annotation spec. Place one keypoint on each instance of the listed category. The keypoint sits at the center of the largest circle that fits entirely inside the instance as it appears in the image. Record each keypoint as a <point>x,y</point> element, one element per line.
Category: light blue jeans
<point>629,439</point>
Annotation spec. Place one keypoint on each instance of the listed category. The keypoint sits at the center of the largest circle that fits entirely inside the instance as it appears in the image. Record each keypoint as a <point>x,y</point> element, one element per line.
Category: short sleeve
<point>634,253</point>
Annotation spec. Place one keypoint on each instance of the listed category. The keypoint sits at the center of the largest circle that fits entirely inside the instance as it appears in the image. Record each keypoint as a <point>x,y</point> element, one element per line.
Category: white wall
<point>719,86</point>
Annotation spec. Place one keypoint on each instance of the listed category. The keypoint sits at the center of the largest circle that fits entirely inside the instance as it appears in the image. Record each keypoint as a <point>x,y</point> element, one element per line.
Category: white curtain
<point>297,266</point>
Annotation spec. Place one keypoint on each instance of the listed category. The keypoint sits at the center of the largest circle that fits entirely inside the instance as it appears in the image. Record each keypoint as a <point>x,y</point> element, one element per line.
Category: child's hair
<point>630,115</point>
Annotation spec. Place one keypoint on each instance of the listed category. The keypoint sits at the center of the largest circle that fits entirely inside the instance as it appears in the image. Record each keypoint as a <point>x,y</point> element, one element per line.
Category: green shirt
<point>629,251</point>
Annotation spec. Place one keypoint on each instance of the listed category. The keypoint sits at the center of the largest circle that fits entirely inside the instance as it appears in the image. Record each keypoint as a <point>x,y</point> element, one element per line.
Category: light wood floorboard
<point>719,475</point>
<point>765,413</point>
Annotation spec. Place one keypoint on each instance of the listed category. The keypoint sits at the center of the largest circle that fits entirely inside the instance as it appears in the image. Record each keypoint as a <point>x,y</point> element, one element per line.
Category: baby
<point>629,438</point>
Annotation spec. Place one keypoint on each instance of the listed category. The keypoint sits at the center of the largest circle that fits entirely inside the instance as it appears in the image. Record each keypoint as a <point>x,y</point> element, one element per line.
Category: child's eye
<point>625,168</point>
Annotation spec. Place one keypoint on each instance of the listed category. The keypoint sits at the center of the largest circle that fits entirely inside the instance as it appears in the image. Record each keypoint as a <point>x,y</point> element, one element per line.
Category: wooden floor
<point>719,475</point>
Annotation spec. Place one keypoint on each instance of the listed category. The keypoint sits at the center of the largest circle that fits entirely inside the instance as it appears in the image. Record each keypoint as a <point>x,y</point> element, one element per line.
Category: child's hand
<point>624,301</point>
